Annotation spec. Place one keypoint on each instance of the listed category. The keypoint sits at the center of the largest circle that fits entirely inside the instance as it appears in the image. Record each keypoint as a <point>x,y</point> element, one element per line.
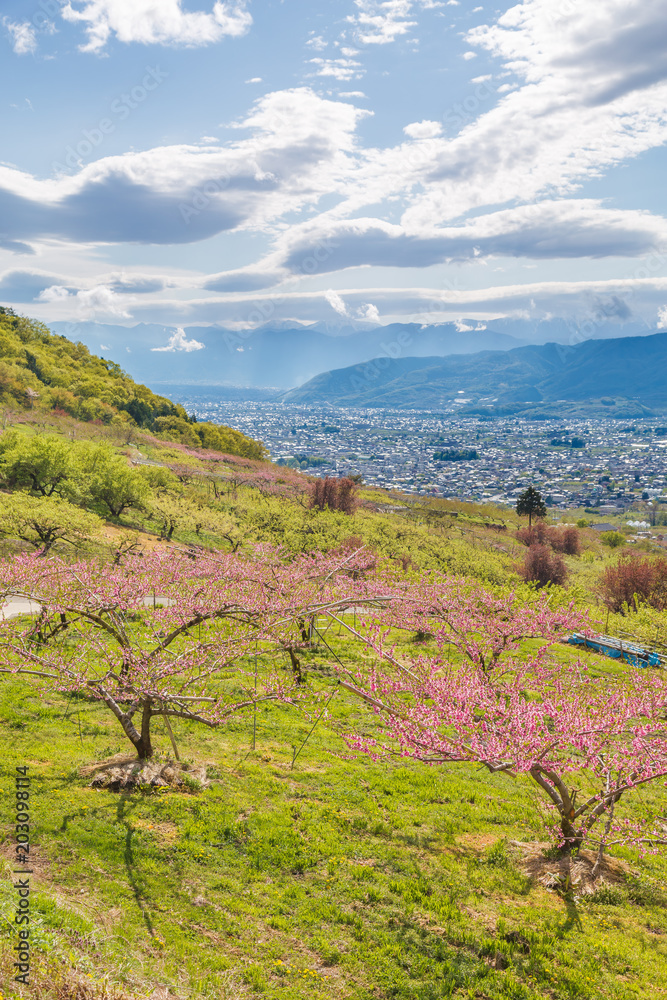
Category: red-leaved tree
<point>543,566</point>
<point>634,578</point>
<point>336,494</point>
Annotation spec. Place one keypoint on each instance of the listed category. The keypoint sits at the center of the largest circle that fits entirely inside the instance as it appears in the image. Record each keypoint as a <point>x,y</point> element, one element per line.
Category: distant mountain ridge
<point>629,367</point>
<point>277,355</point>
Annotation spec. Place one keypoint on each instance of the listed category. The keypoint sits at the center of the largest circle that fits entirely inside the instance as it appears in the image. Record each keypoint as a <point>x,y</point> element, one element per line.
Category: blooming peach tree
<point>167,634</point>
<point>586,737</point>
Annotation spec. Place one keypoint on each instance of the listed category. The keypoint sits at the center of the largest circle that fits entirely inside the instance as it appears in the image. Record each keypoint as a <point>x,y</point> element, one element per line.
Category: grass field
<point>334,878</point>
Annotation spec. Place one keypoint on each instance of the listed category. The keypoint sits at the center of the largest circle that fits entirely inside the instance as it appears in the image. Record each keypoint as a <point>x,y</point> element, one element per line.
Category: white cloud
<point>369,313</point>
<point>662,318</point>
<point>179,342</point>
<point>155,22</point>
<point>543,231</point>
<point>22,35</point>
<point>22,285</point>
<point>254,79</point>
<point>100,300</point>
<point>299,149</point>
<point>55,293</point>
<point>340,69</point>
<point>423,130</point>
<point>379,22</point>
<point>317,43</point>
<point>469,55</point>
<point>336,302</point>
<point>640,297</point>
<point>591,92</point>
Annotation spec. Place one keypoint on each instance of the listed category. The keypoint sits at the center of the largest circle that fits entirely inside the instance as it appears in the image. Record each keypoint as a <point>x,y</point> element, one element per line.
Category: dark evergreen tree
<point>530,504</point>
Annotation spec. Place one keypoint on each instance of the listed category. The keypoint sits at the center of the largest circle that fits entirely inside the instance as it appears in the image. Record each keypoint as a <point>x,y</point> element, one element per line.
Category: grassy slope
<point>335,879</point>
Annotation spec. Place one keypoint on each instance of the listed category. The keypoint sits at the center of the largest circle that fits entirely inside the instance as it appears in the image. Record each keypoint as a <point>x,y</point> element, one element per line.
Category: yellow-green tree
<point>43,521</point>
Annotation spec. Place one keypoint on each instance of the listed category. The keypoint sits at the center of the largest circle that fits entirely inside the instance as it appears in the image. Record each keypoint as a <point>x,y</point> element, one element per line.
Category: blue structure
<point>631,652</point>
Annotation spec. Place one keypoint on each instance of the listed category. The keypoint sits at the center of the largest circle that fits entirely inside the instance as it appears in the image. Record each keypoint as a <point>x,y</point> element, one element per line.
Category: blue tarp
<point>608,645</point>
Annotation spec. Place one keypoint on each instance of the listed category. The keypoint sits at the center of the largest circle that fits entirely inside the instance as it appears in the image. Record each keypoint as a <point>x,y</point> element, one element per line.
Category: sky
<point>191,162</point>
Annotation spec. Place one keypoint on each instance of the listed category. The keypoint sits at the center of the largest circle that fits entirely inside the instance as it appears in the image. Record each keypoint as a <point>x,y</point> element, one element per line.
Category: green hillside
<point>48,373</point>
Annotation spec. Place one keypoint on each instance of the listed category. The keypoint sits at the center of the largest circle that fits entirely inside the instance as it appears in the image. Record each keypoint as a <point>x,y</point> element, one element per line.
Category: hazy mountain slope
<point>283,357</point>
<point>634,367</point>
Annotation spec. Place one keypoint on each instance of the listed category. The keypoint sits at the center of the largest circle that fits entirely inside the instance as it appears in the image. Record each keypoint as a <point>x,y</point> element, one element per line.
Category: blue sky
<point>189,162</point>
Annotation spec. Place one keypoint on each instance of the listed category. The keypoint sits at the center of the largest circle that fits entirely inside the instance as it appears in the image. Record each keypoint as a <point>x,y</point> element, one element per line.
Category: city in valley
<point>610,465</point>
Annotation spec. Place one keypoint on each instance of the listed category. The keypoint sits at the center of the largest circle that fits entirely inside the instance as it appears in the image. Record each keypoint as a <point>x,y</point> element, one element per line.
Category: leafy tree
<point>543,566</point>
<point>456,455</point>
<point>160,480</point>
<point>530,505</point>
<point>44,521</point>
<point>336,494</point>
<point>177,429</point>
<point>42,464</point>
<point>614,539</point>
<point>564,539</point>
<point>633,581</point>
<point>171,512</point>
<point>118,487</point>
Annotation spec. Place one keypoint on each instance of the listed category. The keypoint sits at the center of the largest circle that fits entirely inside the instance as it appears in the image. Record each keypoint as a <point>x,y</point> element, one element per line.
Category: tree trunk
<point>296,666</point>
<point>573,837</point>
<point>144,746</point>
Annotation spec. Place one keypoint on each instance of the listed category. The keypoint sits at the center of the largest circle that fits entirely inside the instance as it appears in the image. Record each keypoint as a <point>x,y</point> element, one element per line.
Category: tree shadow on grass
<point>124,801</point>
<point>571,920</point>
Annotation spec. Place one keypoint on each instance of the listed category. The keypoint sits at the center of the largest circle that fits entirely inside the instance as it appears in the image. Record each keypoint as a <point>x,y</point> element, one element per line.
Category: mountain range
<point>632,368</point>
<point>278,356</point>
<point>285,355</point>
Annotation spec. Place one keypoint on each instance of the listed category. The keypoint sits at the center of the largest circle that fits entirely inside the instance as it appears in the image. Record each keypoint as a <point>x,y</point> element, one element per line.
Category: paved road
<point>22,606</point>
<point>18,606</point>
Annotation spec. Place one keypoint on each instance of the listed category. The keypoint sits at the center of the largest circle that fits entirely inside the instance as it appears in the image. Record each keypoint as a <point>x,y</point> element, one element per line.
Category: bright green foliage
<point>43,521</point>
<point>42,464</point>
<point>116,487</point>
<point>176,429</point>
<point>39,370</point>
<point>614,539</point>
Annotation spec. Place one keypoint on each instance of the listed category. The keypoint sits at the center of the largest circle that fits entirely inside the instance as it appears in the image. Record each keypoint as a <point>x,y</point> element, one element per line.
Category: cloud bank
<point>155,23</point>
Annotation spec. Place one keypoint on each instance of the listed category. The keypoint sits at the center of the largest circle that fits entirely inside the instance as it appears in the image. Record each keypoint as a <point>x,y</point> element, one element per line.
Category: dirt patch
<point>40,865</point>
<point>124,772</point>
<point>478,841</point>
<point>580,873</point>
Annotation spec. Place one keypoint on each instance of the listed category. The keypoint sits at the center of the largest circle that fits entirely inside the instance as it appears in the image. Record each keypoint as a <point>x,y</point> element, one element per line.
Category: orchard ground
<point>334,878</point>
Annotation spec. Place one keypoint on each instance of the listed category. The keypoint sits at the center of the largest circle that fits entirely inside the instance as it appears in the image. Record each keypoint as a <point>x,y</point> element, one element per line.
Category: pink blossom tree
<point>166,634</point>
<point>587,739</point>
<point>481,625</point>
